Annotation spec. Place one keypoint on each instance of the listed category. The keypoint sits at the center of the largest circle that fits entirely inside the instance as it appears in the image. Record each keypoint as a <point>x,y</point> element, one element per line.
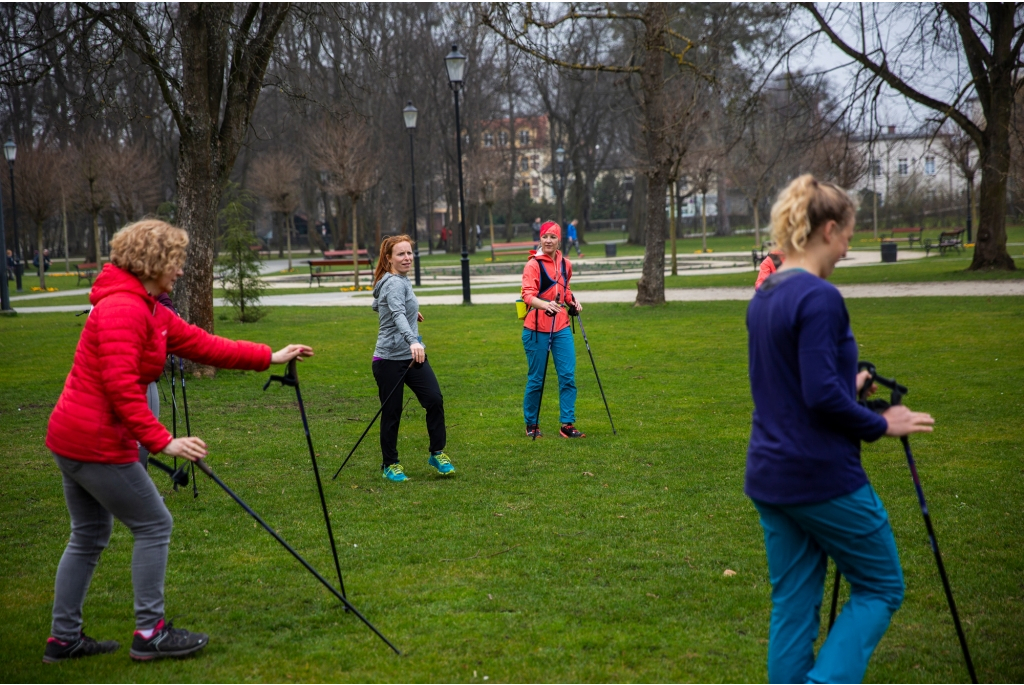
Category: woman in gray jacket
<point>400,354</point>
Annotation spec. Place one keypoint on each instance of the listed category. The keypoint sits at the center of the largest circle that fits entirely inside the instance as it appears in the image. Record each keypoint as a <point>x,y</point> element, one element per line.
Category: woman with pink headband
<point>546,291</point>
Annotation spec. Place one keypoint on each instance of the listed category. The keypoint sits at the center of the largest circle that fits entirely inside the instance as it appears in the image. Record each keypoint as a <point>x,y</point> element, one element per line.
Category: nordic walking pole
<point>178,475</point>
<point>547,355</point>
<point>938,558</point>
<point>204,467</point>
<point>174,414</point>
<point>898,391</point>
<point>291,378</point>
<point>374,420</point>
<point>594,364</point>
<point>188,424</point>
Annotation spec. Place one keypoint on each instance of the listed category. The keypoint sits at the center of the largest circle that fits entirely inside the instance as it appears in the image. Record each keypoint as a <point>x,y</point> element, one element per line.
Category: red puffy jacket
<point>124,345</point>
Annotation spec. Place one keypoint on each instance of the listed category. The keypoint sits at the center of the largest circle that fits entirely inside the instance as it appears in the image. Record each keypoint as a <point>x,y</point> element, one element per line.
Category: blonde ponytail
<point>805,205</point>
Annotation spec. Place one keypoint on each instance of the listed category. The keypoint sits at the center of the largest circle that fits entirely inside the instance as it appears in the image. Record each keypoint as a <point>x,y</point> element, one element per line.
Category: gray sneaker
<point>167,641</point>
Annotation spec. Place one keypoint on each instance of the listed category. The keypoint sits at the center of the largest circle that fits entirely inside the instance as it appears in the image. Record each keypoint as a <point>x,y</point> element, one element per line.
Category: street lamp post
<point>410,113</point>
<point>560,158</point>
<point>325,176</point>
<point>10,152</point>
<point>455,63</point>
<point>5,295</point>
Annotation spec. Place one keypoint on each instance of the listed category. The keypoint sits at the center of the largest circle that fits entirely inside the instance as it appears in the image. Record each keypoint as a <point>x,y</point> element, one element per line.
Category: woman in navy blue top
<point>804,474</point>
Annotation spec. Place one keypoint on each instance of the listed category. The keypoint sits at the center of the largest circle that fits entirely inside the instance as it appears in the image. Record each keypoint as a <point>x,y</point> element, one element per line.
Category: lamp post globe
<point>410,114</point>
<point>455,63</point>
<point>10,153</point>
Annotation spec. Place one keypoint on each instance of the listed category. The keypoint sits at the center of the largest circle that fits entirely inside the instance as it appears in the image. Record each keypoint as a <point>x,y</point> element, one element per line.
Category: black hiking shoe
<point>167,641</point>
<point>533,431</point>
<point>569,431</point>
<point>58,650</point>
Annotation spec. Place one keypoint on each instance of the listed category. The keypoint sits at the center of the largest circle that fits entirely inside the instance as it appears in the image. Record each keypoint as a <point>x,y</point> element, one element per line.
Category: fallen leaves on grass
<point>651,594</point>
<point>728,573</point>
<point>588,473</point>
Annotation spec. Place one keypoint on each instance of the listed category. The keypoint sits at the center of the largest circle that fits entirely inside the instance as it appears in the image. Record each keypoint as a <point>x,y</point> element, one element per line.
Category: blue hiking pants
<point>854,530</point>
<point>564,354</point>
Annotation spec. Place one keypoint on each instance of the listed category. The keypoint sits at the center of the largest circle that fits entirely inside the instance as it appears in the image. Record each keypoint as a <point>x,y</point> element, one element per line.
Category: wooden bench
<point>342,254</point>
<point>512,248</point>
<point>948,240</point>
<point>85,270</point>
<point>912,234</point>
<point>335,268</point>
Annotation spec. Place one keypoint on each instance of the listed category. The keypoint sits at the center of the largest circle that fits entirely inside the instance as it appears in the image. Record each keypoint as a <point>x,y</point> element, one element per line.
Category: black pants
<point>422,381</point>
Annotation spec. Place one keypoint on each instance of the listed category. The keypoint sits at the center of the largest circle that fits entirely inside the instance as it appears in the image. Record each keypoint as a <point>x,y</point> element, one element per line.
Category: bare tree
<point>275,178</point>
<point>989,39</point>
<point>133,178</point>
<point>959,150</point>
<point>38,193</point>
<point>345,150</point>
<point>93,194</point>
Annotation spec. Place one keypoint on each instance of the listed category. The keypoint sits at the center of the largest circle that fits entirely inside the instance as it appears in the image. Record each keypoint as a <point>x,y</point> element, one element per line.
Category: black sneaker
<point>167,641</point>
<point>58,650</point>
<point>533,431</point>
<point>569,431</point>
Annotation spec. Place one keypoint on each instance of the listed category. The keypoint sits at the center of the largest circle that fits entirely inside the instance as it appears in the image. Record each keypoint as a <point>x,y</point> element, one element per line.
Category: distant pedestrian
<point>10,265</point>
<point>46,260</point>
<point>479,237</point>
<point>572,237</point>
<point>535,227</point>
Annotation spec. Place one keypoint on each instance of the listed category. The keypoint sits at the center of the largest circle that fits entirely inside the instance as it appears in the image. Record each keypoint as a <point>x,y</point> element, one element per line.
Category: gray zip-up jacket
<point>397,307</point>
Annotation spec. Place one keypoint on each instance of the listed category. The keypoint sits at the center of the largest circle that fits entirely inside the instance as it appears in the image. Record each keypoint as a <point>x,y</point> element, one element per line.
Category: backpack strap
<point>776,259</point>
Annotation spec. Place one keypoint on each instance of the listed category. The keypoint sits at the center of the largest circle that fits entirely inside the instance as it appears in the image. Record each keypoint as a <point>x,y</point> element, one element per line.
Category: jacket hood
<point>114,279</point>
<point>380,284</point>
<point>541,257</point>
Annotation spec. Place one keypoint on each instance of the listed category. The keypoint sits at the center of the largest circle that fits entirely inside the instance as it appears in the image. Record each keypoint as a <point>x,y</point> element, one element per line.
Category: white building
<point>916,161</point>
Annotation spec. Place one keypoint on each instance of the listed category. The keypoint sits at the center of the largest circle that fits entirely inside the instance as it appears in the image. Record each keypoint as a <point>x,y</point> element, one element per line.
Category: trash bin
<point>610,249</point>
<point>888,252</point>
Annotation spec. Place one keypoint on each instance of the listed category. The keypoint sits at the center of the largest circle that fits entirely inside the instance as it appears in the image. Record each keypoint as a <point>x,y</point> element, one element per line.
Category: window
<point>524,164</point>
<point>929,166</point>
<point>503,138</point>
<point>876,167</point>
<point>524,137</point>
<point>536,162</point>
<point>525,185</point>
<point>488,140</point>
<point>903,165</point>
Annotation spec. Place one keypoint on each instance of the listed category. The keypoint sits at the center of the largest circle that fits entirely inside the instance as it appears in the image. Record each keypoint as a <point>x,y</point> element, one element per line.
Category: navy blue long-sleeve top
<point>807,424</point>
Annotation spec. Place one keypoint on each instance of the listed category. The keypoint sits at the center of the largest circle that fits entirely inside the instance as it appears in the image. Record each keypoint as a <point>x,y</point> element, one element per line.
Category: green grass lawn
<point>598,560</point>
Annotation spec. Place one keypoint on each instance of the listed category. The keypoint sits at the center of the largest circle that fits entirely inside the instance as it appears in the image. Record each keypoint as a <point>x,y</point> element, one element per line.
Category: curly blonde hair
<point>149,248</point>
<point>805,205</point>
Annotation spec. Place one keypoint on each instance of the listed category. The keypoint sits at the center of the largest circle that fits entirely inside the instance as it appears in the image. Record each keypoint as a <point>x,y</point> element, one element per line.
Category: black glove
<point>571,308</point>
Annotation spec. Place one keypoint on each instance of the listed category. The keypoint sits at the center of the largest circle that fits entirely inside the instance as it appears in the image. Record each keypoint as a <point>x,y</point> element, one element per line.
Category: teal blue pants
<point>563,352</point>
<point>854,530</point>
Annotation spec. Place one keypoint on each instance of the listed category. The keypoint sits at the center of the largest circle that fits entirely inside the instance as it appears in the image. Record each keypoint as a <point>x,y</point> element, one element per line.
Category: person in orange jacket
<point>769,266</point>
<point>546,290</point>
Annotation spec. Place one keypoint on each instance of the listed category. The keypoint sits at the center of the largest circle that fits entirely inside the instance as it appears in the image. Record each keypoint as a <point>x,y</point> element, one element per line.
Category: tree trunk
<point>288,219</point>
<point>990,246</point>
<point>39,251</point>
<point>650,289</point>
<point>355,240</point>
<point>638,211</point>
<point>723,208</point>
<point>96,243</point>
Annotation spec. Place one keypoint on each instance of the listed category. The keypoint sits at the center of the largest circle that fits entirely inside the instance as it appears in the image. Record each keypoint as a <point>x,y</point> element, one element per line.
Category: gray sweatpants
<point>95,494</point>
<point>153,400</point>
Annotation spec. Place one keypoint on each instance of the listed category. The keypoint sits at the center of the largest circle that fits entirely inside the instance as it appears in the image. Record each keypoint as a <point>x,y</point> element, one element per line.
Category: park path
<point>858,291</point>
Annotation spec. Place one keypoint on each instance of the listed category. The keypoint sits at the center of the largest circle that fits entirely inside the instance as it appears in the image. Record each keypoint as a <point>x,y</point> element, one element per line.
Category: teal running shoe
<point>442,463</point>
<point>395,473</point>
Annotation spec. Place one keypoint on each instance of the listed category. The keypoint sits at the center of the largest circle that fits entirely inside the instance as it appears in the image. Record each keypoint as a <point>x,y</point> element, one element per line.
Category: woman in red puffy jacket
<point>102,418</point>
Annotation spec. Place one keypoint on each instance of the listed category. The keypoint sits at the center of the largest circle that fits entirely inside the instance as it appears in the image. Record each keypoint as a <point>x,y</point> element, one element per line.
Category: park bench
<point>512,248</point>
<point>948,240</point>
<point>912,234</point>
<point>343,254</point>
<point>85,270</point>
<point>336,268</point>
